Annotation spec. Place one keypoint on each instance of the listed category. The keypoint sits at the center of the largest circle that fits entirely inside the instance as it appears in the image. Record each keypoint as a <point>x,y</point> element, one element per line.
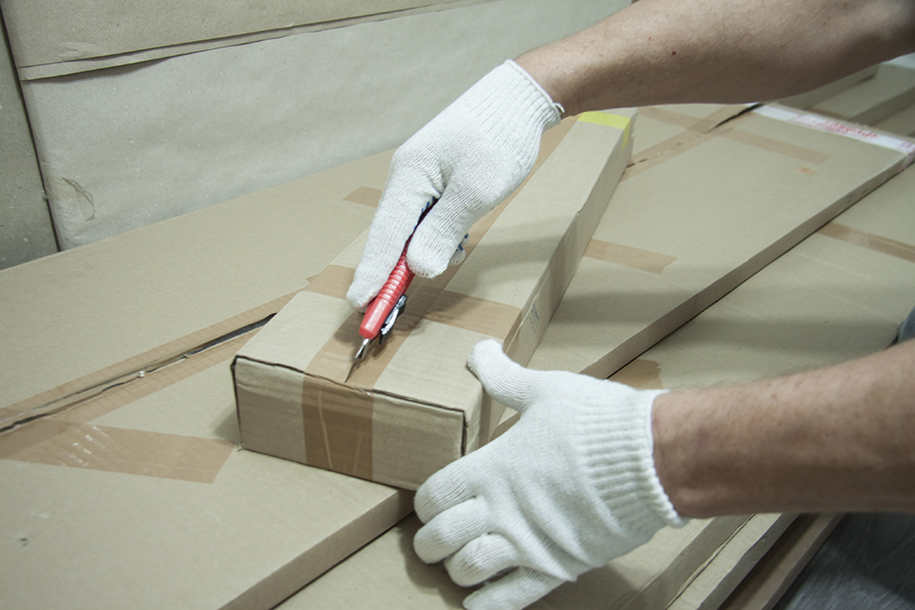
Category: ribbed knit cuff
<point>619,455</point>
<point>510,106</point>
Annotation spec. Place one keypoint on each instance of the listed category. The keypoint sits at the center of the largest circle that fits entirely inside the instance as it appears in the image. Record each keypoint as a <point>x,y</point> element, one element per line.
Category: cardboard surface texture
<point>889,91</point>
<point>134,493</point>
<point>831,298</point>
<point>127,146</point>
<point>24,217</point>
<point>412,406</point>
<point>724,202</point>
<point>168,513</point>
<point>53,39</point>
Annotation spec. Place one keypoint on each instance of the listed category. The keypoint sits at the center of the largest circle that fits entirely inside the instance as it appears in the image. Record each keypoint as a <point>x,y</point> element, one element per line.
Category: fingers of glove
<point>481,559</point>
<point>447,532</point>
<point>503,379</point>
<point>441,233</point>
<point>520,588</point>
<point>446,488</point>
<point>393,224</point>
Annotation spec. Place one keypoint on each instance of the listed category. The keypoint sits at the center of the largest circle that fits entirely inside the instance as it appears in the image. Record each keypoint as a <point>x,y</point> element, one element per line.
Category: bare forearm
<point>835,439</point>
<point>679,51</point>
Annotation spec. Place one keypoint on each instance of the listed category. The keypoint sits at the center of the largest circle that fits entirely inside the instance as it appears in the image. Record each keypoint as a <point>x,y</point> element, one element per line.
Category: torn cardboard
<point>413,406</point>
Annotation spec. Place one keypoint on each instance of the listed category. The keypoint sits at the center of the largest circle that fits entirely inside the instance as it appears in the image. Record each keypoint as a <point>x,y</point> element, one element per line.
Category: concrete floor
<point>867,562</point>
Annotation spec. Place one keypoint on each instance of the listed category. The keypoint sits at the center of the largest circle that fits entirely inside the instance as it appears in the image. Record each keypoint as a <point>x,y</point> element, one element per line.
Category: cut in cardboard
<point>827,300</point>
<point>412,406</point>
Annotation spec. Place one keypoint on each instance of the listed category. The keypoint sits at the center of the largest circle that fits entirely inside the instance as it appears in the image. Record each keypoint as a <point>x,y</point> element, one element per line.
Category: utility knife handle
<point>381,305</point>
<point>398,282</point>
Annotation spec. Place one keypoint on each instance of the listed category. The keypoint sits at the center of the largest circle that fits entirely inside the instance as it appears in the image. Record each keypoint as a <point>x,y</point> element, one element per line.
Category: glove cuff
<point>618,446</point>
<point>508,102</point>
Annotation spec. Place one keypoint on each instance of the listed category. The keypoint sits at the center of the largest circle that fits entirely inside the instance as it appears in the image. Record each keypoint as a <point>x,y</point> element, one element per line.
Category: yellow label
<point>605,118</point>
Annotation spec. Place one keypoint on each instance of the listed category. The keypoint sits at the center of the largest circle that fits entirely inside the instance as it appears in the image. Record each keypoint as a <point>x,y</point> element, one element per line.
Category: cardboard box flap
<point>53,38</point>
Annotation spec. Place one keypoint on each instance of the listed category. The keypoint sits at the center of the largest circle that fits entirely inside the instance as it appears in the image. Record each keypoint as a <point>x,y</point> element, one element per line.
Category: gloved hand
<point>470,157</point>
<point>568,488</point>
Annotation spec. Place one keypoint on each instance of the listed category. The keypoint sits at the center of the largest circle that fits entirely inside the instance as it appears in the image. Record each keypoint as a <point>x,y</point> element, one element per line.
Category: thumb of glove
<point>502,378</point>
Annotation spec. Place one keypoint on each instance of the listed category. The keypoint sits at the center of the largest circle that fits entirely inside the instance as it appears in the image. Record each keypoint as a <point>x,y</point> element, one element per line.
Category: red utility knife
<point>382,312</point>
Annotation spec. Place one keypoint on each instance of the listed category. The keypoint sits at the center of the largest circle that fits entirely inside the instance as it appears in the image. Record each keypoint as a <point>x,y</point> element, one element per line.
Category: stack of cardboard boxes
<point>126,481</point>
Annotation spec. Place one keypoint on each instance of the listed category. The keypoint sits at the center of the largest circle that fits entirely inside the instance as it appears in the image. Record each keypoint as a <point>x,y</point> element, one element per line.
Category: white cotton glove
<point>568,488</point>
<point>469,158</point>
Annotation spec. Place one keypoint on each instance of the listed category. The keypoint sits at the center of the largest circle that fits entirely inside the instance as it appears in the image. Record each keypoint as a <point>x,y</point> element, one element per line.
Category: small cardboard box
<point>413,406</point>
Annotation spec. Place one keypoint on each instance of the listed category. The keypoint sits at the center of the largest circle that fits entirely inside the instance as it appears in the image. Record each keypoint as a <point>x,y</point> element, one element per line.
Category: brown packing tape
<point>154,454</point>
<point>698,132</point>
<point>333,281</point>
<point>869,241</point>
<point>807,155</point>
<point>666,115</point>
<point>338,428</point>
<point>365,195</point>
<point>67,439</point>
<point>640,373</point>
<point>628,256</point>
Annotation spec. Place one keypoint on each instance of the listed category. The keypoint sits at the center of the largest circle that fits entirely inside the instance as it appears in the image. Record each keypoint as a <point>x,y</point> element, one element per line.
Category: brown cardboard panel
<point>825,301</point>
<point>721,209</point>
<point>138,515</point>
<point>890,90</point>
<point>265,527</point>
<point>387,574</point>
<point>144,296</point>
<point>526,250</point>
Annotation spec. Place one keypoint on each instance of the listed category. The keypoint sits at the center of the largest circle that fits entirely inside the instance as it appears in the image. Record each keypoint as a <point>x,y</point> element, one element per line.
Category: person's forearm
<point>830,440</point>
<point>680,51</point>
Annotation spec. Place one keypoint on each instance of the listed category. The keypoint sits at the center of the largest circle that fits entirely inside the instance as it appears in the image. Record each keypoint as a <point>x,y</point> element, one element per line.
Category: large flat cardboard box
<point>412,406</point>
<point>838,295</point>
<point>723,203</point>
<point>149,522</point>
<point>121,482</point>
